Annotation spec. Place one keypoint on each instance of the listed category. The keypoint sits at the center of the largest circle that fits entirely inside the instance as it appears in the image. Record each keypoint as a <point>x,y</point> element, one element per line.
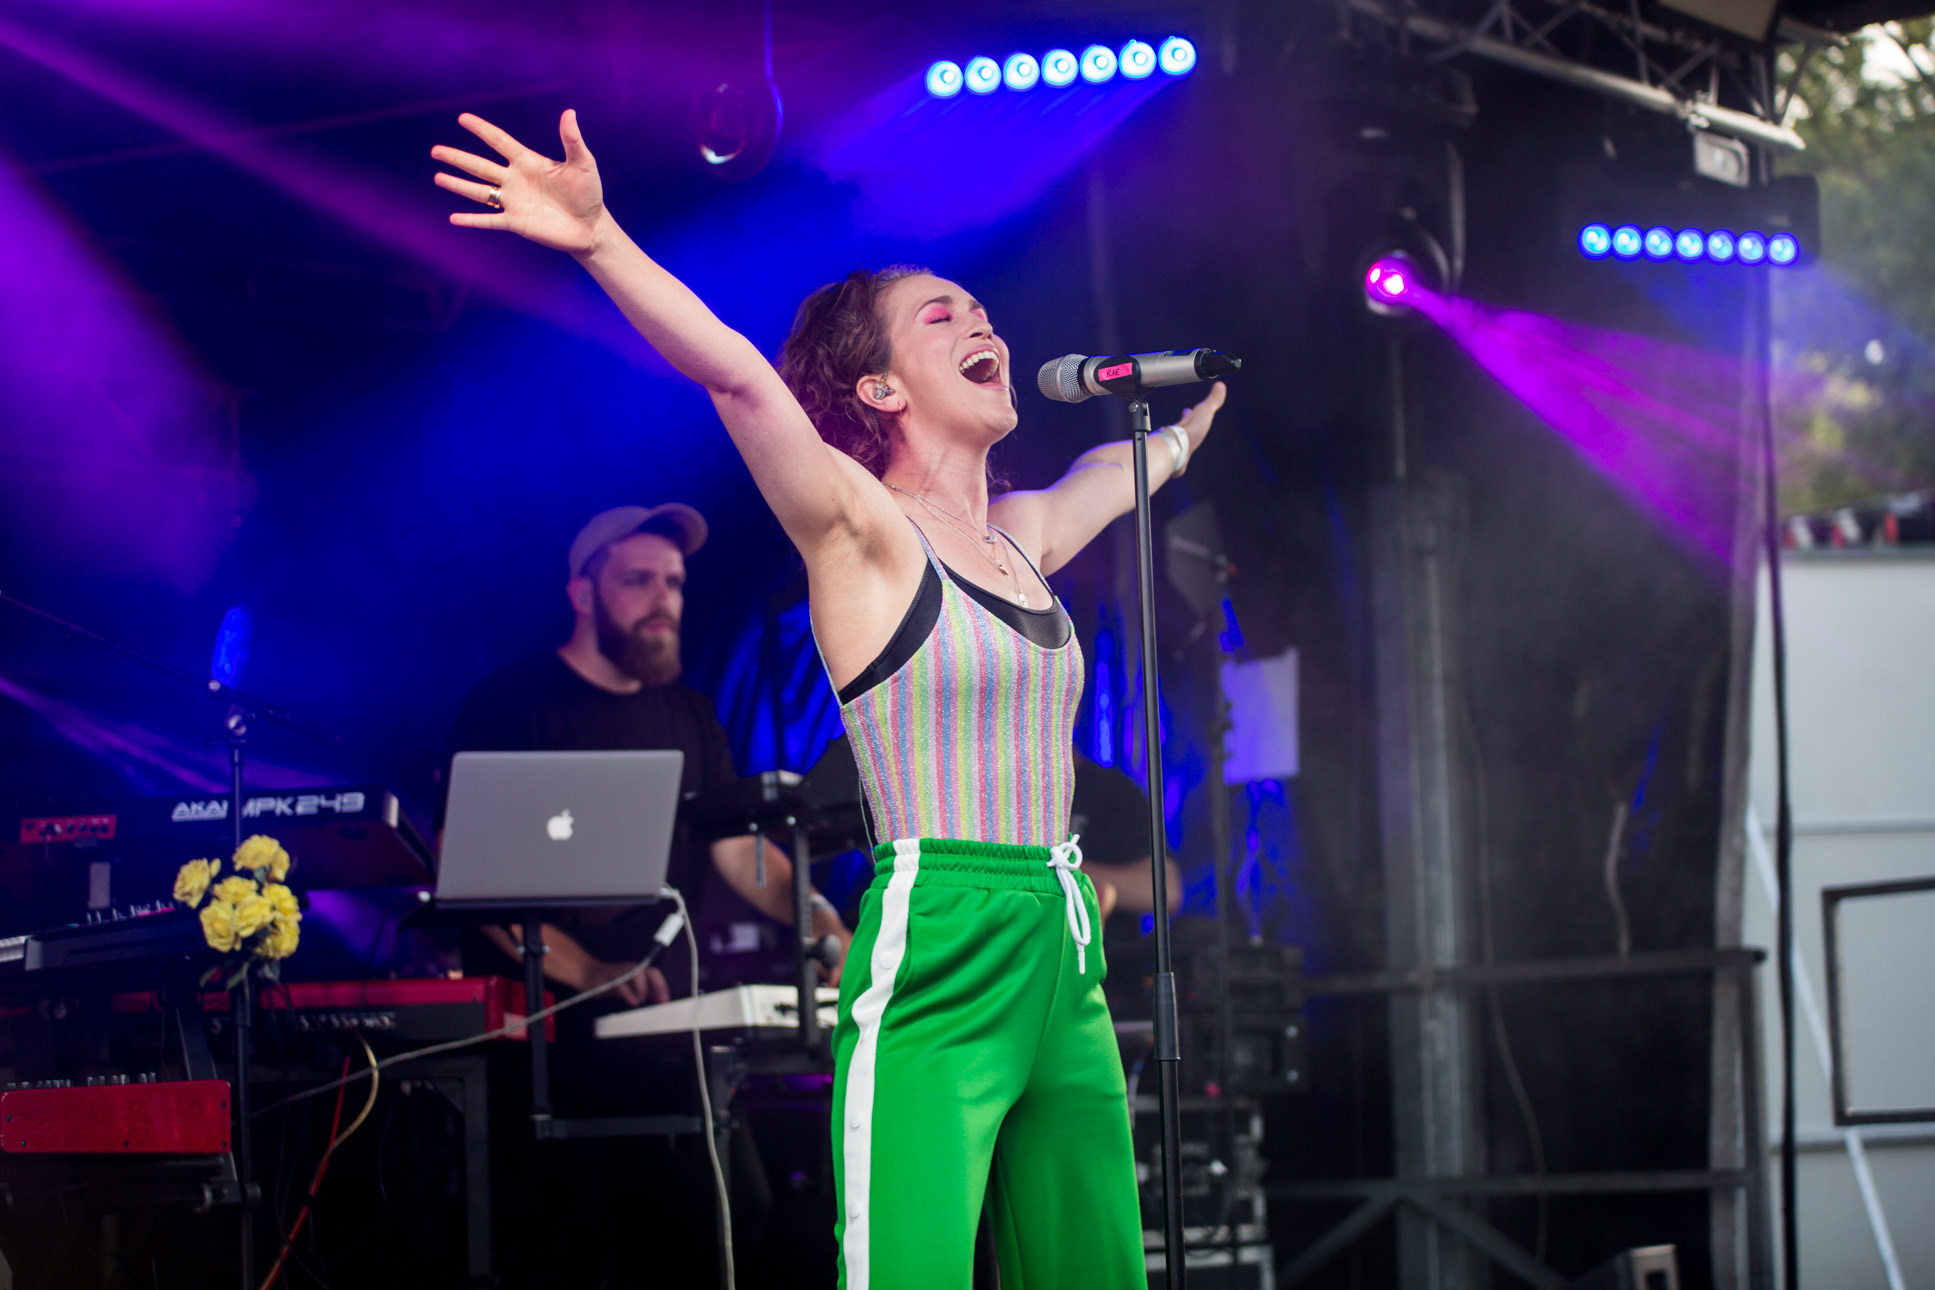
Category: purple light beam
<point>414,226</point>
<point>1660,422</point>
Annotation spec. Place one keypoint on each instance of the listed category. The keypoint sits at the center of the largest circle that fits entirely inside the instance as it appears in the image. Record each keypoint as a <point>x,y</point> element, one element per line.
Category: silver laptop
<point>528,830</point>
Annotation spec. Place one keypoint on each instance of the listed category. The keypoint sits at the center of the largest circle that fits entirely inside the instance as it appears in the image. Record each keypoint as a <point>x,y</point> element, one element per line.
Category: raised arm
<point>818,493</point>
<point>1056,522</point>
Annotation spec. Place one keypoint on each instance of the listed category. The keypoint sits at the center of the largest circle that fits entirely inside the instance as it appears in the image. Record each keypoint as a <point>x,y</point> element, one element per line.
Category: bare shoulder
<point>873,526</point>
<point>862,576</point>
<point>1022,515</point>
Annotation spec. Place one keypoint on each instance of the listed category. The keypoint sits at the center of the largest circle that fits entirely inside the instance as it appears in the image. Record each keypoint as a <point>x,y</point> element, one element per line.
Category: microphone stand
<point>1168,1049</point>
<point>242,708</point>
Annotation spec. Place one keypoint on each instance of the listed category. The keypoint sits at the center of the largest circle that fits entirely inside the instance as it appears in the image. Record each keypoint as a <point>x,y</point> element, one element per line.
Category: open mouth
<point>983,367</point>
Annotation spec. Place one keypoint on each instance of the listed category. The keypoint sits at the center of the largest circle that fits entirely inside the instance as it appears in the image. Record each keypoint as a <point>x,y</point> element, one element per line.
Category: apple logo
<point>559,827</point>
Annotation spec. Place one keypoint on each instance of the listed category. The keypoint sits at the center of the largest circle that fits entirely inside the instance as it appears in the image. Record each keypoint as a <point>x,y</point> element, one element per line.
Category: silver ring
<point>494,199</point>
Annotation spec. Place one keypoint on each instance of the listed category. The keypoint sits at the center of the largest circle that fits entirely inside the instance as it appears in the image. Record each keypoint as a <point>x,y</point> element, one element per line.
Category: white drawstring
<point>1066,869</point>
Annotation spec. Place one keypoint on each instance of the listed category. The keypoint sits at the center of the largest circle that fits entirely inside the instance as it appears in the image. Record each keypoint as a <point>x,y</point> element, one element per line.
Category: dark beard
<point>652,657</point>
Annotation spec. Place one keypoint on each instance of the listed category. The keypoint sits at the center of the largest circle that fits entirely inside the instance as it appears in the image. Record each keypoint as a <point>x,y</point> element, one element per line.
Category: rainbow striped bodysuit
<point>975,1065</point>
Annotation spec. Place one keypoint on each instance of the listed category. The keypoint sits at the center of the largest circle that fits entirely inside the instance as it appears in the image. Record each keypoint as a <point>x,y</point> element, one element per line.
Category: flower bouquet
<point>252,918</point>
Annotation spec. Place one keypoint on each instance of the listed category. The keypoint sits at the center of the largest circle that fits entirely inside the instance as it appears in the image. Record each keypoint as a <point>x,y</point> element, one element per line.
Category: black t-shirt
<point>540,705</point>
<point>1111,812</point>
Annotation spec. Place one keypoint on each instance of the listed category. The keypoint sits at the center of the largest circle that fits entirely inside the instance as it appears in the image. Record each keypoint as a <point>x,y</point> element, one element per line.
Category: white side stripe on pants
<point>856,1139</point>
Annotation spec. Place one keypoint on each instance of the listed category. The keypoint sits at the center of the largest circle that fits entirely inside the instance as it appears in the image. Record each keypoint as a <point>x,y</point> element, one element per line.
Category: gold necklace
<point>942,514</point>
<point>939,509</point>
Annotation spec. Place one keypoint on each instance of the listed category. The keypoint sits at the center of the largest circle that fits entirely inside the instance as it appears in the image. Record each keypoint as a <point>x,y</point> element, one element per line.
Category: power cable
<point>322,1166</point>
<point>1623,927</point>
<point>705,1092</point>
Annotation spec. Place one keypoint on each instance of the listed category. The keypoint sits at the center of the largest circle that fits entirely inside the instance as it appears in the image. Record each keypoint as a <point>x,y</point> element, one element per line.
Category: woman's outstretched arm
<point>819,494</point>
<point>1056,522</point>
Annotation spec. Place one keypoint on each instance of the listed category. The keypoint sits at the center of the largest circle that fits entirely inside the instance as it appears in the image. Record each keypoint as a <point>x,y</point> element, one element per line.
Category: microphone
<point>1077,376</point>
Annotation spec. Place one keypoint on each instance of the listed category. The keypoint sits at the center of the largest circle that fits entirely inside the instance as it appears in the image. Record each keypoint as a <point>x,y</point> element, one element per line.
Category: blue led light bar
<point>1689,245</point>
<point>1059,68</point>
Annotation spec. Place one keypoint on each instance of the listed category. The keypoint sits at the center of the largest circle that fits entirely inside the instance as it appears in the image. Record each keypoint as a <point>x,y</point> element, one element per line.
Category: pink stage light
<point>1386,279</point>
<point>1393,285</point>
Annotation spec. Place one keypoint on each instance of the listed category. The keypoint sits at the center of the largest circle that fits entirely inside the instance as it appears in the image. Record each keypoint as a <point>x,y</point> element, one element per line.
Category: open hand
<point>1195,421</point>
<point>559,204</point>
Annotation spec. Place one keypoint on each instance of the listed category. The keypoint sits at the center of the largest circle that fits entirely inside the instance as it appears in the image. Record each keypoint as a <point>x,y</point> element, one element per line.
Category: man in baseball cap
<point>613,685</point>
<point>627,586</point>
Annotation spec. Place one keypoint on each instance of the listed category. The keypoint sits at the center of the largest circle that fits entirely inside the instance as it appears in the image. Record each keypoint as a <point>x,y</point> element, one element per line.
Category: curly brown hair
<point>837,338</point>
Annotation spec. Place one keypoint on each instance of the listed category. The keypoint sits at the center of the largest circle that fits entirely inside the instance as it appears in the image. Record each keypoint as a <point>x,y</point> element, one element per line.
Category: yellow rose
<point>280,943</point>
<point>235,890</point>
<point>218,926</point>
<point>283,900</point>
<point>192,879</point>
<point>252,914</point>
<point>263,852</point>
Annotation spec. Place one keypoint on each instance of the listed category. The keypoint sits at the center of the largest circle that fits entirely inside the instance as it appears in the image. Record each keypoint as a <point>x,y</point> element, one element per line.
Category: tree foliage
<point>1855,384</point>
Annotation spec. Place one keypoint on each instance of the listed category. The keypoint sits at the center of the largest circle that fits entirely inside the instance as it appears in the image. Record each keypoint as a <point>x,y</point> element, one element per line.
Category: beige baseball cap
<point>675,519</point>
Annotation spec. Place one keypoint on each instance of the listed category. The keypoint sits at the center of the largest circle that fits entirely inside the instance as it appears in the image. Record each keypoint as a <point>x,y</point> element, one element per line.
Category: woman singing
<point>974,1058</point>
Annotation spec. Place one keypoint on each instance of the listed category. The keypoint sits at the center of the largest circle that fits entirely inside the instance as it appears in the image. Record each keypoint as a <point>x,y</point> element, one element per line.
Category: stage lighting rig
<point>1598,241</point>
<point>1399,270</point>
<point>1097,64</point>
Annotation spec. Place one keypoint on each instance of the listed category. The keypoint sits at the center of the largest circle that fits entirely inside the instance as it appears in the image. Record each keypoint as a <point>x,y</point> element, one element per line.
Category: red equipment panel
<point>186,1118</point>
<point>412,1010</point>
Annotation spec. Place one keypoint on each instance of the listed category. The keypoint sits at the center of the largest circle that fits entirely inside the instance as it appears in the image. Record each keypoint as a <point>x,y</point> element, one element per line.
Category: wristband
<point>1178,445</point>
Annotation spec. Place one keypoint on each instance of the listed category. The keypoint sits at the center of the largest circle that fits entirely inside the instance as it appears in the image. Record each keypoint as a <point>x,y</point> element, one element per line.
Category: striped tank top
<point>973,736</point>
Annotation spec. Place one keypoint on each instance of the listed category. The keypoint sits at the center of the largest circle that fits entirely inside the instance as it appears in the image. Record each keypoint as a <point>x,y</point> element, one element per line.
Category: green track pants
<point>975,1062</point>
